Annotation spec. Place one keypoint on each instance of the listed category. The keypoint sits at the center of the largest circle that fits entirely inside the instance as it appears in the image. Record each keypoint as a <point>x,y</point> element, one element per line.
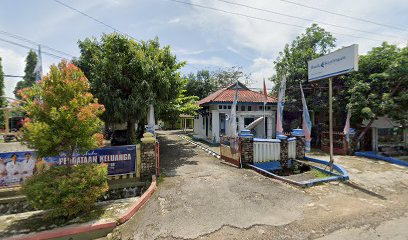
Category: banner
<point>15,167</point>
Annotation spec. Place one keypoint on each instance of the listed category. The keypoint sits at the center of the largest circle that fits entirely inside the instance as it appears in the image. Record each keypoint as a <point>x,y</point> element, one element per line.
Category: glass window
<point>242,108</point>
<point>225,106</point>
<point>249,108</point>
<point>219,106</point>
<point>260,107</point>
<point>229,106</point>
<point>269,108</point>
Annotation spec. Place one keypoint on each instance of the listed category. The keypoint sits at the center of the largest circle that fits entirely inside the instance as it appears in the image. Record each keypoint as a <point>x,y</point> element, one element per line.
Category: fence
<point>267,150</point>
<point>340,145</point>
<point>230,149</point>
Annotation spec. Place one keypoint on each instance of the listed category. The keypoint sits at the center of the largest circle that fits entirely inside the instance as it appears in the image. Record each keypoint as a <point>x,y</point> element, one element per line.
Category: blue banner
<point>15,167</point>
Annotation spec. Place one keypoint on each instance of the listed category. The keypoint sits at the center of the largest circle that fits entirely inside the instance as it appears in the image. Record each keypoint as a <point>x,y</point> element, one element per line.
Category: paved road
<point>202,198</point>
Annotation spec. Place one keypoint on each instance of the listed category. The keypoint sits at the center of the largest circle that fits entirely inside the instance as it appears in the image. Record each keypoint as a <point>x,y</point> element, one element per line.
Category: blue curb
<point>343,173</point>
<point>375,156</point>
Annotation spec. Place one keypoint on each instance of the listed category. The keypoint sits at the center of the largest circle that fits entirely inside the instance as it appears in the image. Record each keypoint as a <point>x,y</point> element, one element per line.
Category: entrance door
<point>206,126</point>
<point>222,124</point>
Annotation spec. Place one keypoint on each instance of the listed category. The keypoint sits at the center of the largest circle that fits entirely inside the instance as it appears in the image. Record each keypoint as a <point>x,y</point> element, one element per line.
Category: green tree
<point>292,63</point>
<point>380,86</point>
<point>62,113</point>
<point>3,101</point>
<point>127,76</point>
<point>200,84</point>
<point>29,75</point>
<point>224,77</point>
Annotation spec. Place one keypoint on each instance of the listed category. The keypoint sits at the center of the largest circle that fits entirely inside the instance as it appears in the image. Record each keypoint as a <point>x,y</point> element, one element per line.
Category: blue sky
<point>205,39</point>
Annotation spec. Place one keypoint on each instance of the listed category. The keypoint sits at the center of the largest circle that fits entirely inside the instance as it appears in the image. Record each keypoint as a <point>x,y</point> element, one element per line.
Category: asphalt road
<point>202,198</point>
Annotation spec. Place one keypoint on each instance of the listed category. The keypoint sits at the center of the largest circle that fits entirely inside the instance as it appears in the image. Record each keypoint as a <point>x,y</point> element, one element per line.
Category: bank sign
<point>333,64</point>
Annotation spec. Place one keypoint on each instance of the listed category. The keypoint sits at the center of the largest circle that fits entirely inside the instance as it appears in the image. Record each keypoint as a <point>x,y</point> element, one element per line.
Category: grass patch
<point>319,174</point>
<point>160,179</point>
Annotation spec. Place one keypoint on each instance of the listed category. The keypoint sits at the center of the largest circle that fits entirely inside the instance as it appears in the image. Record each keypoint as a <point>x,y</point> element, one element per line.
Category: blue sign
<point>15,167</point>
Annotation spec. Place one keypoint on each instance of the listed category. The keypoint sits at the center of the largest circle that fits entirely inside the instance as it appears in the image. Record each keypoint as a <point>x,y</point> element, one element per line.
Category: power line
<point>34,43</point>
<point>30,48</point>
<point>95,19</point>
<point>343,15</point>
<point>306,19</point>
<point>12,76</point>
<point>263,19</point>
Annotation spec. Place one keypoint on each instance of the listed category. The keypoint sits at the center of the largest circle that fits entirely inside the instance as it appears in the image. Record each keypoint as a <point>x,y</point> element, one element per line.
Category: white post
<point>331,122</point>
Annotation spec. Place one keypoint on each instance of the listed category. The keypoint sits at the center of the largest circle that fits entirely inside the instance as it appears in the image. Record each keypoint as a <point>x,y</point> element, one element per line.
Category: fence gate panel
<point>230,149</point>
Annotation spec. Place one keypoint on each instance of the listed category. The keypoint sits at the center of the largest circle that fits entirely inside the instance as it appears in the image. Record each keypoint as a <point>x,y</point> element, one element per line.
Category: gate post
<point>300,143</point>
<point>247,147</point>
<point>148,153</point>
<point>284,151</point>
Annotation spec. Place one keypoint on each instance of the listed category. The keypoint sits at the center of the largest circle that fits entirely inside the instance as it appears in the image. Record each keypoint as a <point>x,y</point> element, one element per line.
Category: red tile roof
<point>244,95</point>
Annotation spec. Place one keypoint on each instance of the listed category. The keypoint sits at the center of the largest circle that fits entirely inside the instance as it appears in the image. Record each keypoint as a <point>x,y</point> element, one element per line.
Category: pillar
<point>247,147</point>
<point>215,126</point>
<point>300,143</point>
<point>284,151</point>
<point>269,126</point>
<point>148,156</point>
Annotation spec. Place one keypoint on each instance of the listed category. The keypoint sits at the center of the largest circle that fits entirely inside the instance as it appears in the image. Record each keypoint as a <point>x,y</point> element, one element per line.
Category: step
<point>9,191</point>
<point>18,198</point>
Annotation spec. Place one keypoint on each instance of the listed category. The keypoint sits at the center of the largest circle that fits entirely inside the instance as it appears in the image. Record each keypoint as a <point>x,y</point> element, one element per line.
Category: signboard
<point>333,64</point>
<point>15,167</point>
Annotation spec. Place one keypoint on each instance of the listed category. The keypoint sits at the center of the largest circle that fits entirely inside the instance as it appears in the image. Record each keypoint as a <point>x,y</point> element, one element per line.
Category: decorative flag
<point>346,130</point>
<point>38,66</point>
<point>233,134</point>
<point>265,93</point>
<point>307,124</point>
<point>281,104</point>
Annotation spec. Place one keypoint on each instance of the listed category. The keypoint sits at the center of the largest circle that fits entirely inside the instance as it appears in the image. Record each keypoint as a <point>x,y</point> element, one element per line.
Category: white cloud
<point>262,68</point>
<point>13,64</point>
<point>212,61</point>
<point>174,20</point>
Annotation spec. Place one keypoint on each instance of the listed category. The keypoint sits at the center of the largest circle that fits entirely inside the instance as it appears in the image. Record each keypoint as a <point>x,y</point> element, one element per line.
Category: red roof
<point>244,95</point>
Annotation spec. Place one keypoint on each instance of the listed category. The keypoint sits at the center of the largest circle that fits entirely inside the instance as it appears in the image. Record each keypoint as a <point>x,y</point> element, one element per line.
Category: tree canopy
<point>127,76</point>
<point>380,86</point>
<point>62,113</point>
<point>29,75</point>
<point>292,63</point>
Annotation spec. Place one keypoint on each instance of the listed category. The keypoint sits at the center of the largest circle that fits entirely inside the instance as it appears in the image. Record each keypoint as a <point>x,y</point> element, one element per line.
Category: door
<point>222,124</point>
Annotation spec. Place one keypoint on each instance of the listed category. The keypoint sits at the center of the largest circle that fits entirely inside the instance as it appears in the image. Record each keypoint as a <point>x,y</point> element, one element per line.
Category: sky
<point>205,38</point>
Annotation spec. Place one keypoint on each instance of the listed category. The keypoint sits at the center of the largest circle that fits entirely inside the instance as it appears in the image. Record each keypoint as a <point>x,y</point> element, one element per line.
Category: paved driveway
<point>203,198</point>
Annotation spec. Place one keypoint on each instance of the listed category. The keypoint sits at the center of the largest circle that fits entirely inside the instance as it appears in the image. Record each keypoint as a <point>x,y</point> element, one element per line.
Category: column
<point>273,124</point>
<point>247,147</point>
<point>148,156</point>
<point>269,126</point>
<point>284,151</point>
<point>241,125</point>
<point>300,143</point>
<point>215,126</point>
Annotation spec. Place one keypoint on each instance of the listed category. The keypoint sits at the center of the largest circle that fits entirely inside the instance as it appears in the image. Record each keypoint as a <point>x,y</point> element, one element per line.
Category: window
<point>248,121</point>
<point>236,108</point>
<point>269,108</point>
<point>260,108</point>
<point>249,108</point>
<point>242,108</point>
<point>225,107</point>
<point>219,106</point>
<point>229,106</point>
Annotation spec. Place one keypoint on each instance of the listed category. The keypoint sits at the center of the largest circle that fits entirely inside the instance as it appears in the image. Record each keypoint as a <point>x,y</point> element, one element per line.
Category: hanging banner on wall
<point>15,167</point>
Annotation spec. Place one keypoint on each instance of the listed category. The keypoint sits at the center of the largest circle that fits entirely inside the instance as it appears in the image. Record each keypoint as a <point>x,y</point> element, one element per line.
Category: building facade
<point>212,121</point>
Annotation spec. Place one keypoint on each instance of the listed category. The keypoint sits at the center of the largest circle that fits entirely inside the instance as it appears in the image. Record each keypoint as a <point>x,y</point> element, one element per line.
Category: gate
<point>230,149</point>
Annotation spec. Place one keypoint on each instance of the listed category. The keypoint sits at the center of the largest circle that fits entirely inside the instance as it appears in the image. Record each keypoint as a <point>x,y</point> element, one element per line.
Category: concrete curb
<point>85,228</point>
<point>374,156</point>
<point>203,147</point>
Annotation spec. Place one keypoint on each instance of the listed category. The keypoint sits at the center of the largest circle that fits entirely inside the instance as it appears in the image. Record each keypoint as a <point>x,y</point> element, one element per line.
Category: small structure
<point>211,122</point>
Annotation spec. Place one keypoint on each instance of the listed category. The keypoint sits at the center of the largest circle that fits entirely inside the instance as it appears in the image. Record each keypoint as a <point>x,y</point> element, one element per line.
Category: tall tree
<point>380,86</point>
<point>3,101</point>
<point>292,63</point>
<point>127,76</point>
<point>29,75</point>
<point>62,113</point>
<point>224,77</point>
<point>200,84</point>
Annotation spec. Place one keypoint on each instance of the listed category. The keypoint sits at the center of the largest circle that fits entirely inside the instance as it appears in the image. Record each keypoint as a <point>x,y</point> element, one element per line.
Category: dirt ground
<point>202,198</point>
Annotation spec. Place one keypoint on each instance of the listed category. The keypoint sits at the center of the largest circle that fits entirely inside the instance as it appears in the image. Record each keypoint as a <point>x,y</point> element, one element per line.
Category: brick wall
<point>247,150</point>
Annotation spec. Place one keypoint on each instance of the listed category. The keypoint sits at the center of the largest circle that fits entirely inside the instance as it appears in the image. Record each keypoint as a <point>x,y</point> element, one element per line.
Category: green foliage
<point>29,75</point>
<point>3,101</point>
<point>62,114</point>
<point>127,76</point>
<point>204,82</point>
<point>380,86</point>
<point>67,191</point>
<point>292,63</point>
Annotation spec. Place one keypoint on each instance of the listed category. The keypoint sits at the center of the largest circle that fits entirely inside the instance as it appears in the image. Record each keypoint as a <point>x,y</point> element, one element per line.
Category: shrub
<point>67,191</point>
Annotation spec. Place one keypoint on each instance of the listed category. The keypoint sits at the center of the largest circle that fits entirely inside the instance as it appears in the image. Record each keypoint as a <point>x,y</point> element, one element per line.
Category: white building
<point>211,122</point>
